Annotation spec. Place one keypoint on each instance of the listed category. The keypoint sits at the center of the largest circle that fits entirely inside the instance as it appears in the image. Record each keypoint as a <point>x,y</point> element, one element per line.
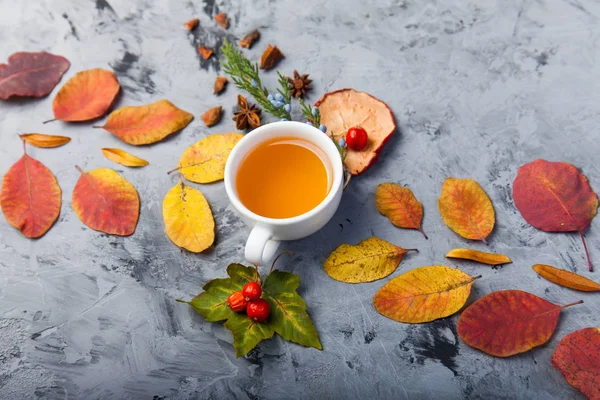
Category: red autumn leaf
<point>106,202</point>
<point>347,108</point>
<point>31,74</point>
<point>508,322</point>
<point>577,356</point>
<point>555,197</point>
<point>30,197</point>
<point>87,95</point>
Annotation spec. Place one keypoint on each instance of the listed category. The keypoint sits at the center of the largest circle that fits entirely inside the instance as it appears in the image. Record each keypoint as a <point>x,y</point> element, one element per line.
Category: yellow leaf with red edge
<point>189,222</point>
<point>139,125</point>
<point>87,95</point>
<point>467,209</point>
<point>577,356</point>
<point>371,259</point>
<point>204,161</point>
<point>30,197</point>
<point>44,141</point>
<point>124,158</point>
<point>106,202</point>
<point>400,206</point>
<point>424,294</point>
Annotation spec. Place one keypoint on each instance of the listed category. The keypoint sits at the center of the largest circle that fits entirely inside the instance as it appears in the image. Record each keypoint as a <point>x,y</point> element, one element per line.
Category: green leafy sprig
<point>245,76</point>
<point>310,112</point>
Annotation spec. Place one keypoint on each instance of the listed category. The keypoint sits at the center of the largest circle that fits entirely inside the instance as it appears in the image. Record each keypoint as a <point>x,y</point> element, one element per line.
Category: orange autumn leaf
<point>424,294</point>
<point>466,209</point>
<point>87,95</point>
<point>566,278</point>
<point>124,158</point>
<point>140,125</point>
<point>577,357</point>
<point>508,322</point>
<point>400,206</point>
<point>106,202</point>
<point>30,197</point>
<point>479,256</point>
<point>44,141</point>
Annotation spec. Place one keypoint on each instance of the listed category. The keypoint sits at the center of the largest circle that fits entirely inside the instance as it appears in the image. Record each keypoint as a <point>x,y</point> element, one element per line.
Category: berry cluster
<point>248,299</point>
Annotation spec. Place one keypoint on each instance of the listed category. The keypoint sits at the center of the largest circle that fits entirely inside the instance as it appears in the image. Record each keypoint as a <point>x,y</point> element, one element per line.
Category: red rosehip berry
<point>237,301</point>
<point>252,291</point>
<point>357,138</point>
<point>258,310</point>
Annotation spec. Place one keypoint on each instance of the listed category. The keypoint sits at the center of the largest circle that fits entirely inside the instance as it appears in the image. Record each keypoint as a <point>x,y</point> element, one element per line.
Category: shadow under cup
<point>267,232</point>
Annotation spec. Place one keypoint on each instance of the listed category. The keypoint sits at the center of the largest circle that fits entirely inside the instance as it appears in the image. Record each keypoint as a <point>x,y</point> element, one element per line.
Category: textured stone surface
<point>478,88</point>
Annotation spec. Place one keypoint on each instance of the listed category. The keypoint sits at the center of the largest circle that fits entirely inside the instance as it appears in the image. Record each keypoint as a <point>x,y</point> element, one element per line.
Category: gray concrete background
<point>477,88</point>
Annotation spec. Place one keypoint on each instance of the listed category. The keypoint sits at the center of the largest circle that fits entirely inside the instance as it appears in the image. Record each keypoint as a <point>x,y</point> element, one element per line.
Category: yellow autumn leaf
<point>204,161</point>
<point>123,158</point>
<point>479,256</point>
<point>44,141</point>
<point>371,259</point>
<point>466,209</point>
<point>188,219</point>
<point>424,294</point>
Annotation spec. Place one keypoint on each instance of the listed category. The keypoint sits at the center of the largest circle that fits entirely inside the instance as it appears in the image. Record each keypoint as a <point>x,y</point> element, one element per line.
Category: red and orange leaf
<point>31,74</point>
<point>347,108</point>
<point>555,197</point>
<point>140,125</point>
<point>509,322</point>
<point>577,356</point>
<point>30,197</point>
<point>400,206</point>
<point>87,95</point>
<point>106,202</point>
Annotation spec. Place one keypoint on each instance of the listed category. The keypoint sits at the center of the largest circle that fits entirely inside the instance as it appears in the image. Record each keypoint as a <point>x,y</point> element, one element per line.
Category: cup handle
<point>260,249</point>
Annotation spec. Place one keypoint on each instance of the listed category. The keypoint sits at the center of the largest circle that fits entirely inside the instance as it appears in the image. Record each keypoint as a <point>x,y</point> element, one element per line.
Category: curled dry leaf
<point>204,161</point>
<point>30,197</point>
<point>140,125</point>
<point>212,116</point>
<point>189,222</point>
<point>249,40</point>
<point>192,24</point>
<point>31,74</point>
<point>124,158</point>
<point>106,202</point>
<point>205,52</point>
<point>577,357</point>
<point>347,108</point>
<point>508,322</point>
<point>87,95</point>
<point>371,259</point>
<point>44,141</point>
<point>479,256</point>
<point>271,57</point>
<point>566,278</point>
<point>466,209</point>
<point>222,20</point>
<point>220,84</point>
<point>555,197</point>
<point>400,206</point>
<point>424,294</point>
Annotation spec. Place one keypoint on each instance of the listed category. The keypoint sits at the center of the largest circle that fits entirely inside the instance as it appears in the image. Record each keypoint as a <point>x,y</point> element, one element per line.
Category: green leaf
<point>212,303</point>
<point>288,311</point>
<point>247,333</point>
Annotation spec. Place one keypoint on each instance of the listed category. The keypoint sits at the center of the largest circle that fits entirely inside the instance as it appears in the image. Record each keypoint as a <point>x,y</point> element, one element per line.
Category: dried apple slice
<point>346,108</point>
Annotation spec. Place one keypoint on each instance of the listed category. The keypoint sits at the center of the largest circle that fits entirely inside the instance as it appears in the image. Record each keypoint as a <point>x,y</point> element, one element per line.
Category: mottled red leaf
<point>555,197</point>
<point>577,356</point>
<point>30,197</point>
<point>509,322</point>
<point>31,74</point>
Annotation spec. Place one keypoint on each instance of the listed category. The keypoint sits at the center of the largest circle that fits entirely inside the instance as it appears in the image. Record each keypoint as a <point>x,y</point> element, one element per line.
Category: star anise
<point>300,84</point>
<point>246,114</point>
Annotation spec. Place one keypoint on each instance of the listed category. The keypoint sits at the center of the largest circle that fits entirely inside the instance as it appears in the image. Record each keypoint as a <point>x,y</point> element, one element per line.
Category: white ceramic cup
<point>267,233</point>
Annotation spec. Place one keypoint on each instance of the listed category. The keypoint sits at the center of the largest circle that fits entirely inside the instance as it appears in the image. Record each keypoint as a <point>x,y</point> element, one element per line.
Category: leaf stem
<point>182,301</point>
<point>50,120</point>
<point>291,253</point>
<point>571,304</point>
<point>423,233</point>
<point>587,253</point>
<point>79,169</point>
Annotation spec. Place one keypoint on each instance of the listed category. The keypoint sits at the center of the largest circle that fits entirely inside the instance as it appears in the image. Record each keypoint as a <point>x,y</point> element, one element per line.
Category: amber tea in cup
<point>283,178</point>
